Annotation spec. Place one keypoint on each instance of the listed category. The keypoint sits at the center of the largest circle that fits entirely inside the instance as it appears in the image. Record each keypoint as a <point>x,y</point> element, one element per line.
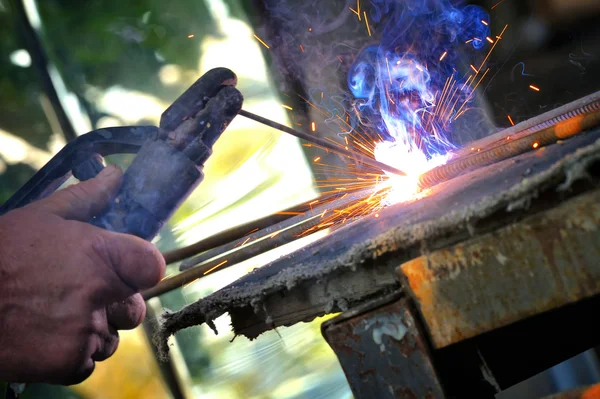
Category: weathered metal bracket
<point>383,350</point>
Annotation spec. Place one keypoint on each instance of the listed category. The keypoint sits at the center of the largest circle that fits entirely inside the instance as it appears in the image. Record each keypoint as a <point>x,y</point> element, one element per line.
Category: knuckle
<point>77,194</point>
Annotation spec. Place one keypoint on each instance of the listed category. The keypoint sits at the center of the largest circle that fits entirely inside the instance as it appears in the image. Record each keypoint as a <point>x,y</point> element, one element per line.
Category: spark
<point>338,57</point>
<point>443,55</point>
<point>313,126</point>
<point>510,120</point>
<point>367,23</point>
<point>310,29</point>
<point>301,48</point>
<point>376,215</point>
<point>190,283</point>
<point>489,39</point>
<point>532,87</point>
<point>468,41</point>
<point>213,268</point>
<point>507,137</point>
<point>289,213</point>
<point>260,40</point>
<point>536,145</point>
<point>484,22</point>
<point>473,68</point>
<point>357,11</point>
<point>190,35</point>
<point>317,159</point>
<point>497,4</point>
<point>287,107</point>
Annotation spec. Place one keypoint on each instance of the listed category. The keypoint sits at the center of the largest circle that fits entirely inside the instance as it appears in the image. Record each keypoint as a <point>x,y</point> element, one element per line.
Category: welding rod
<point>323,143</point>
<point>235,233</point>
<point>254,244</point>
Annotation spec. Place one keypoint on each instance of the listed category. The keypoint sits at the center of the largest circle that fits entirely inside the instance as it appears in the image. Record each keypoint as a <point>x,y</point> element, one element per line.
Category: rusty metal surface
<point>541,263</point>
<point>383,351</point>
<point>590,392</point>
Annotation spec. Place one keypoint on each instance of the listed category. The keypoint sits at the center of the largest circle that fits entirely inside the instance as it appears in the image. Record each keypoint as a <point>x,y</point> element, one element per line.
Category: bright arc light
<point>409,160</point>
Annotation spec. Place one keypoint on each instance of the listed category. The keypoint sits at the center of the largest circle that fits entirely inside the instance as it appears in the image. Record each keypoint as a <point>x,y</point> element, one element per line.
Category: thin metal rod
<point>323,143</point>
<point>254,244</point>
<point>232,234</point>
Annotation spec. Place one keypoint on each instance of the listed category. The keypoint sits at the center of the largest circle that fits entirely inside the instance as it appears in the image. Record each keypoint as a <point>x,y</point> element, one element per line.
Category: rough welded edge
<point>561,175</point>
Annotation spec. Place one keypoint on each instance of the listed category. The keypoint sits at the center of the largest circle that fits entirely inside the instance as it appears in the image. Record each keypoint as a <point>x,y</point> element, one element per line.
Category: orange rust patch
<point>418,274</point>
<point>592,392</point>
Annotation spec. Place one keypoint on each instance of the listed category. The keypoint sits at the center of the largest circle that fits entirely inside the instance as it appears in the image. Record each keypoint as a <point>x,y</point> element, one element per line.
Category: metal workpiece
<point>383,350</point>
<point>369,249</point>
<point>538,264</point>
<point>550,118</point>
<point>581,120</point>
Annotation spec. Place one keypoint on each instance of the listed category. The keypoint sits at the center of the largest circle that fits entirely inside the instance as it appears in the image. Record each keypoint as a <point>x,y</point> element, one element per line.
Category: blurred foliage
<point>92,43</point>
<point>102,45</point>
<point>20,109</point>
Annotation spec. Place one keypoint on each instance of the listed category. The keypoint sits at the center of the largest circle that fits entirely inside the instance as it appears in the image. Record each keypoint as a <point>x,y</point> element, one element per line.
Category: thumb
<point>86,199</point>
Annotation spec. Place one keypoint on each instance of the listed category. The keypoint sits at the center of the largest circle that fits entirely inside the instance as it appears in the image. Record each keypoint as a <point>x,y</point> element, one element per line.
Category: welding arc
<point>323,143</point>
<point>509,149</point>
<point>256,243</point>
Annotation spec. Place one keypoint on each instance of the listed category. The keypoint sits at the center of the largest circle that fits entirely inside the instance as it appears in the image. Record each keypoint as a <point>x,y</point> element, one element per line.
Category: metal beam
<point>541,263</point>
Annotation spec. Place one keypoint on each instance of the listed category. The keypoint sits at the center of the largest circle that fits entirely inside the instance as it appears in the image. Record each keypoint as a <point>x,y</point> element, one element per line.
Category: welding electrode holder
<point>167,168</point>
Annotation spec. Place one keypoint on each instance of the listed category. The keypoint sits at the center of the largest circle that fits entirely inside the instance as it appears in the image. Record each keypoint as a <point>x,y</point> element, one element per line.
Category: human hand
<point>66,286</point>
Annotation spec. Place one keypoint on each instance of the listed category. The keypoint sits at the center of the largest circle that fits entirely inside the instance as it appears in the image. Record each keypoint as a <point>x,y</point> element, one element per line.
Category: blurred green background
<point>122,63</point>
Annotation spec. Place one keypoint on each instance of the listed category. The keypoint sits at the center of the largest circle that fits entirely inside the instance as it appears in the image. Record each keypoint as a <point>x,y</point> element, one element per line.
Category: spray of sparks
<point>441,109</point>
<point>405,152</point>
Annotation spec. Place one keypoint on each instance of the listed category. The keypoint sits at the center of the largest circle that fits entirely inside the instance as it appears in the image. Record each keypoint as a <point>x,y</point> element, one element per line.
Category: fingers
<point>99,343</point>
<point>86,199</point>
<point>132,265</point>
<point>127,314</point>
<point>106,337</point>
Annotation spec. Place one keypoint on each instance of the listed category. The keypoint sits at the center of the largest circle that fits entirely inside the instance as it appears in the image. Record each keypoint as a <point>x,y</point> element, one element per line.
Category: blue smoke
<point>397,83</point>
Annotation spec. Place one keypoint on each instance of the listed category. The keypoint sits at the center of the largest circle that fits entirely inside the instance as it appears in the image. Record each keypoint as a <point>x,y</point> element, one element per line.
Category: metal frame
<point>481,315</point>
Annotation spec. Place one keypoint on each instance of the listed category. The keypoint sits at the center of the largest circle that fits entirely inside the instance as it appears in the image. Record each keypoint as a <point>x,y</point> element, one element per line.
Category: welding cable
<point>252,245</point>
<point>549,135</point>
